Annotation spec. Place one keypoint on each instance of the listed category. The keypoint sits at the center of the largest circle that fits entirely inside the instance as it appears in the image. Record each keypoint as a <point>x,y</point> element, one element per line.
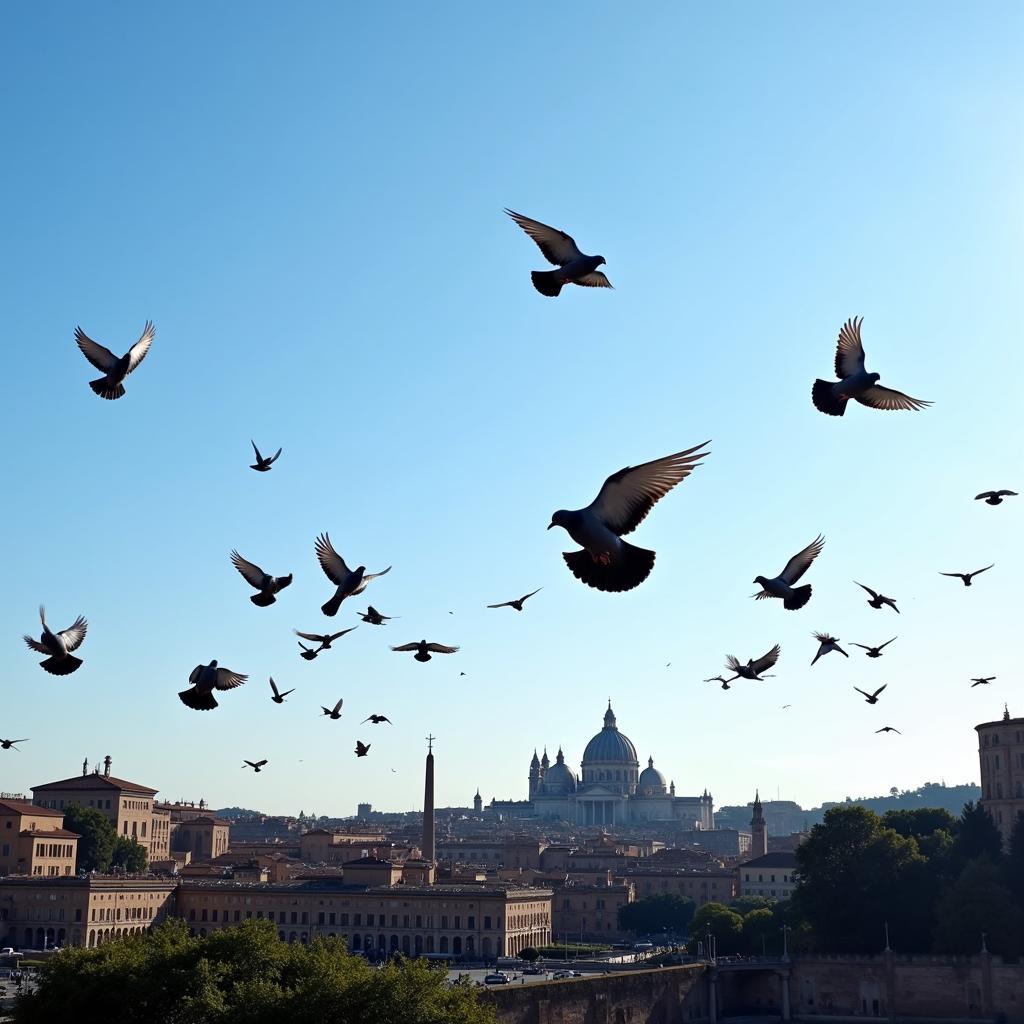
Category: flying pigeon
<point>826,645</point>
<point>256,766</point>
<point>349,582</point>
<point>752,669</point>
<point>888,728</point>
<point>518,602</point>
<point>10,744</point>
<point>981,681</point>
<point>424,650</point>
<point>782,585</point>
<point>871,698</point>
<point>279,697</point>
<point>267,585</point>
<point>335,712</point>
<point>561,251</point>
<point>114,370</point>
<point>626,497</point>
<point>362,749</point>
<point>719,679</point>
<point>875,652</point>
<point>995,497</point>
<point>324,639</point>
<point>376,719</point>
<point>204,680</point>
<point>309,653</point>
<point>61,662</point>
<point>878,600</point>
<point>374,617</point>
<point>967,576</point>
<point>262,464</point>
<point>855,382</point>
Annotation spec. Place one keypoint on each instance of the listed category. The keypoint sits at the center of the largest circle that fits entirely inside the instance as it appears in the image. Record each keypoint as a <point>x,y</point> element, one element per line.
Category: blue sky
<point>308,205</point>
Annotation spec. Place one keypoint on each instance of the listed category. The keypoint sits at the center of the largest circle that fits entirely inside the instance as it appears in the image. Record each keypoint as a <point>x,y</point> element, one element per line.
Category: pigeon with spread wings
<point>827,644</point>
<point>61,662</point>
<point>753,668</point>
<point>256,766</point>
<point>994,497</point>
<point>424,650</point>
<point>278,697</point>
<point>782,586</point>
<point>376,720</point>
<point>607,562</point>
<point>11,744</point>
<point>981,681</point>
<point>263,464</point>
<point>362,749</point>
<point>267,585</point>
<point>348,581</point>
<point>889,728</point>
<point>878,600</point>
<point>518,602</point>
<point>114,369</point>
<point>967,577</point>
<point>875,652</point>
<point>832,397</point>
<point>323,639</point>
<point>335,712</point>
<point>871,698</point>
<point>204,680</point>
<point>559,249</point>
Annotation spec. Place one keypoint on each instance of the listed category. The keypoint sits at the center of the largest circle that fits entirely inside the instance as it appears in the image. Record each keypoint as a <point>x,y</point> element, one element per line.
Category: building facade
<point>34,842</point>
<point>772,876</point>
<point>1001,756</point>
<point>589,913</point>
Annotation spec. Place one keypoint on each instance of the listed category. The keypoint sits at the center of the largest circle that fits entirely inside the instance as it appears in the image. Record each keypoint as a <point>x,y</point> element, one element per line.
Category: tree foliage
<point>129,855</point>
<point>977,902</point>
<point>725,925</point>
<point>977,835</point>
<point>243,975</point>
<point>98,836</point>
<point>529,954</point>
<point>650,915</point>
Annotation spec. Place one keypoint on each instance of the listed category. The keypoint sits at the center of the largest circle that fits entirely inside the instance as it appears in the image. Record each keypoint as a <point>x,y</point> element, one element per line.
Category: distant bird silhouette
<point>981,681</point>
<point>994,497</point>
<point>324,639</point>
<point>61,662</point>
<point>309,653</point>
<point>855,382</point>
<point>374,617</point>
<point>266,584</point>
<point>784,706</point>
<point>204,680</point>
<point>875,652</point>
<point>878,600</point>
<point>424,650</point>
<point>888,728</point>
<point>10,744</point>
<point>262,464</point>
<point>279,697</point>
<point>626,497</point>
<point>782,585</point>
<point>518,602</point>
<point>719,679</point>
<point>827,644</point>
<point>967,577</point>
<point>114,369</point>
<point>376,719</point>
<point>348,581</point>
<point>362,749</point>
<point>753,668</point>
<point>256,766</point>
<point>335,712</point>
<point>559,249</point>
<point>870,698</point>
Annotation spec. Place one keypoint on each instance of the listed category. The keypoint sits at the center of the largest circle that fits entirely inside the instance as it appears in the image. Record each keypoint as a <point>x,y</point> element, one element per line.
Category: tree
<point>743,905</point>
<point>726,927</point>
<point>669,911</point>
<point>977,835</point>
<point>977,902</point>
<point>529,954</point>
<point>128,854</point>
<point>760,931</point>
<point>98,836</point>
<point>920,821</point>
<point>1014,867</point>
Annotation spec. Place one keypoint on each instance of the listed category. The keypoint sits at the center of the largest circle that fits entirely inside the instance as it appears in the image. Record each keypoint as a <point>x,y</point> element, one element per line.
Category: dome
<point>651,781</point>
<point>558,779</point>
<point>609,745</point>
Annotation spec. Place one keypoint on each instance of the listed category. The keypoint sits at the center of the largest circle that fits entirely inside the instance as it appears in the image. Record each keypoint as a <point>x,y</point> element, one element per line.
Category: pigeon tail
<point>629,570</point>
<point>799,597</point>
<point>192,698</point>
<point>262,600</point>
<point>825,401</point>
<point>105,389</point>
<point>331,607</point>
<point>308,655</point>
<point>62,666</point>
<point>547,282</point>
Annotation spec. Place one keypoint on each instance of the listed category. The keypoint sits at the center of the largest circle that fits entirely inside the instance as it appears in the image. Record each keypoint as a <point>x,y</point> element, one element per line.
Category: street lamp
<point>887,947</point>
<point>785,941</point>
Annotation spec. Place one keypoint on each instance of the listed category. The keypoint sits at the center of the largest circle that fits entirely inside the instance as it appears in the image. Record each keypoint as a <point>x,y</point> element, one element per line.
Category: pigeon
<point>256,766</point>
<point>719,679</point>
<point>10,744</point>
<point>888,728</point>
<point>374,617</point>
<point>204,680</point>
<point>267,586</point>
<point>871,698</point>
<point>995,497</point>
<point>376,720</point>
<point>561,251</point>
<point>424,650</point>
<point>855,382</point>
<point>362,749</point>
<point>626,497</point>
<point>309,653</point>
<point>61,662</point>
<point>878,600</point>
<point>263,465</point>
<point>335,712</point>
<point>981,681</point>
<point>752,669</point>
<point>518,602</point>
<point>279,697</point>
<point>782,585</point>
<point>875,652</point>
<point>348,581</point>
<point>784,706</point>
<point>114,370</point>
<point>324,640</point>
<point>967,577</point>
<point>827,644</point>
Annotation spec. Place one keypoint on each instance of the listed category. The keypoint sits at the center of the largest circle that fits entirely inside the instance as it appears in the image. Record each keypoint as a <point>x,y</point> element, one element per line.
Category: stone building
<point>589,913</point>
<point>711,886</point>
<point>772,876</point>
<point>33,841</point>
<point>1001,755</point>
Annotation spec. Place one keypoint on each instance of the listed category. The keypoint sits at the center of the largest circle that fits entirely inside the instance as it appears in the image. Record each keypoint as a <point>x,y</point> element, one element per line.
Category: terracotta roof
<point>93,781</point>
<point>54,833</point>
<point>24,807</point>
<point>779,859</point>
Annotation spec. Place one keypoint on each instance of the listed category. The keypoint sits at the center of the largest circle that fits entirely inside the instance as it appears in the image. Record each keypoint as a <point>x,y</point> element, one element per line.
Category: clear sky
<point>307,200</point>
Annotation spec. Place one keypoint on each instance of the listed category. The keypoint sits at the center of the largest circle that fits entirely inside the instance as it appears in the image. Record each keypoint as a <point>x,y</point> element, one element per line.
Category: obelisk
<point>428,805</point>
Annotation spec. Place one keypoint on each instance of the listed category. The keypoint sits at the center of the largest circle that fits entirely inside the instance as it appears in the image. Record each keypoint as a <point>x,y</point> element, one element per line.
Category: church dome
<point>651,781</point>
<point>558,779</point>
<point>610,745</point>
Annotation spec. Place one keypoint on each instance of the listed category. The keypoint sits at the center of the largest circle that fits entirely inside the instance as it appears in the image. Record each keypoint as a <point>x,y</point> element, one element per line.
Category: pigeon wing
<point>849,349</point>
<point>36,645</point>
<point>195,674</point>
<point>873,593</point>
<point>252,574</point>
<point>767,661</point>
<point>260,764</point>
<point>595,279</point>
<point>407,647</point>
<point>259,458</point>
<point>879,690</point>
<point>331,562</point>
<point>314,637</point>
<point>138,351</point>
<point>732,663</point>
<point>331,637</point>
<point>801,561</point>
<point>504,604</point>
<point>877,397</point>
<point>337,707</point>
<point>441,649</point>
<point>978,572</point>
<point>557,247</point>
<point>273,686</point>
<point>275,456</point>
<point>367,576</point>
<point>74,634</point>
<point>102,358</point>
<point>1005,494</point>
<point>628,495</point>
<point>228,680</point>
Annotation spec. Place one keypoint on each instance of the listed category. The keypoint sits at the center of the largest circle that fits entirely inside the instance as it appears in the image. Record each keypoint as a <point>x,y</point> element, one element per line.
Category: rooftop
<point>26,807</point>
<point>781,859</point>
<point>93,782</point>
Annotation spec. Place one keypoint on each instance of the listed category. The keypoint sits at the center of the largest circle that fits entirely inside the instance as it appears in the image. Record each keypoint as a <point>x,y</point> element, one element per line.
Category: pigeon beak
<point>550,525</point>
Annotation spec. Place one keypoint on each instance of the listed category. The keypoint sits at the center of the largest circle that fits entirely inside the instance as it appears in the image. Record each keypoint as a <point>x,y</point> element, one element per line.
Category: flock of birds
<point>604,560</point>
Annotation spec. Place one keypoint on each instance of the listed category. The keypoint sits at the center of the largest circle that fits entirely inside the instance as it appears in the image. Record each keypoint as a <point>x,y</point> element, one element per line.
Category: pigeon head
<point>760,580</point>
<point>360,568</point>
<point>600,260</point>
<point>875,377</point>
<point>562,518</point>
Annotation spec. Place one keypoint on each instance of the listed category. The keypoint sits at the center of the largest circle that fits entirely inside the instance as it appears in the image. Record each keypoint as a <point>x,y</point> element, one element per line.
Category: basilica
<point>611,789</point>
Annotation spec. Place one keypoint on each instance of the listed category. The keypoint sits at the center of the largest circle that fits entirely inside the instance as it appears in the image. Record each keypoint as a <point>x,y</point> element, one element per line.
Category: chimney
<point>428,804</point>
<point>107,761</point>
<point>85,767</point>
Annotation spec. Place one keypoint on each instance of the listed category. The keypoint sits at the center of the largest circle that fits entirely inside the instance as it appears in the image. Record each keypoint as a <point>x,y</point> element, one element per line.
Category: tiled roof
<point>780,859</point>
<point>24,807</point>
<point>52,833</point>
<point>93,781</point>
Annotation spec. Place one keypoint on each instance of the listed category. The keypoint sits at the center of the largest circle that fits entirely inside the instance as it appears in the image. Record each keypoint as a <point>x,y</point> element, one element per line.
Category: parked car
<point>496,979</point>
<point>533,970</point>
<point>559,975</point>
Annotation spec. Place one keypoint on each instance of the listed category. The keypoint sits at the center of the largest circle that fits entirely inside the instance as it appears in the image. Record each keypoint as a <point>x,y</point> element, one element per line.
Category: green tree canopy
<point>761,932</point>
<point>743,905</point>
<point>98,836</point>
<point>977,902</point>
<point>920,821</point>
<point>653,913</point>
<point>1014,867</point>
<point>128,854</point>
<point>977,835</point>
<point>529,954</point>
<point>725,925</point>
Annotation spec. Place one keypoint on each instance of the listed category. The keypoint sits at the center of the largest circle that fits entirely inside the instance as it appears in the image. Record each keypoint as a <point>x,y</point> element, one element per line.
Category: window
<point>321,918</point>
<point>487,921</point>
<point>997,760</point>
<point>295,917</point>
<point>357,919</point>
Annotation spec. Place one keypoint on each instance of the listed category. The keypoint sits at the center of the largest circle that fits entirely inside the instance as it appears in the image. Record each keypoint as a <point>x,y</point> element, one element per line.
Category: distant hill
<point>238,812</point>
